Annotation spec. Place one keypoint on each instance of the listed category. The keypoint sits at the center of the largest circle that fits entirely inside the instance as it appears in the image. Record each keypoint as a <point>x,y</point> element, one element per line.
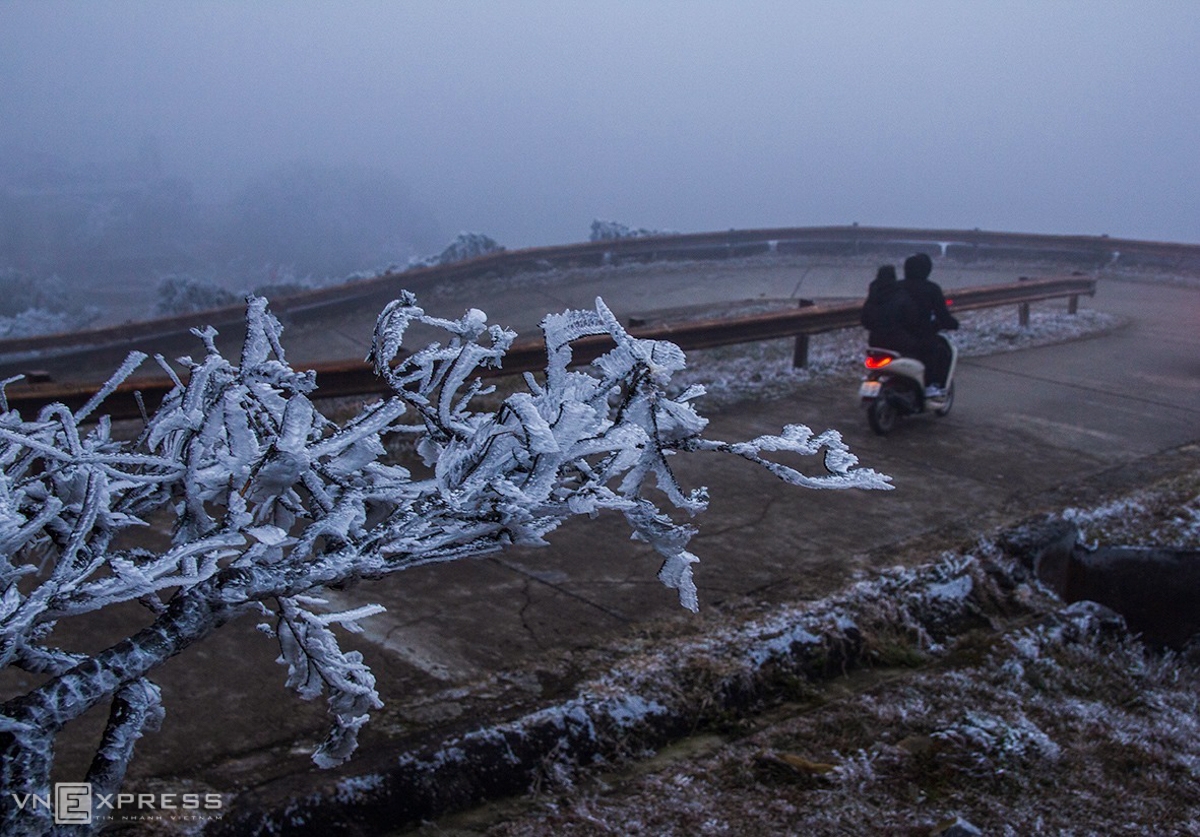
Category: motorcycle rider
<point>929,315</point>
<point>888,314</point>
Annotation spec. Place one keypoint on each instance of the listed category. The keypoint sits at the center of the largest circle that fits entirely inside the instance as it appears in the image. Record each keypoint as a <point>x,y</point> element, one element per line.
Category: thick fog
<point>399,124</point>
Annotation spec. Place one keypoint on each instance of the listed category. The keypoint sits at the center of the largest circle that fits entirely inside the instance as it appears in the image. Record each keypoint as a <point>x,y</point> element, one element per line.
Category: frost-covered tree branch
<point>272,501</point>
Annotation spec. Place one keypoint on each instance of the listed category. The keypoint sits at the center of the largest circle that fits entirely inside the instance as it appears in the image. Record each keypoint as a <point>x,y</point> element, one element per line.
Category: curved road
<point>1026,424</point>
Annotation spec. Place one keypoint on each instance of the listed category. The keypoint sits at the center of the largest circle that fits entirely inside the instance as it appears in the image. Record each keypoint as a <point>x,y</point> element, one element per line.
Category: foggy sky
<point>526,120</point>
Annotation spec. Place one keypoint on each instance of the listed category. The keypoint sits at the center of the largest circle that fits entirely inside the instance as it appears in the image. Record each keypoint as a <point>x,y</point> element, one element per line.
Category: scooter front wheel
<point>882,416</point>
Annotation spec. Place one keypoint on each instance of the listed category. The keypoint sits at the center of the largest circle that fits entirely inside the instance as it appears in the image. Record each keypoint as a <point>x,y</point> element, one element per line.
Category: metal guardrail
<point>1092,251</point>
<point>339,379</point>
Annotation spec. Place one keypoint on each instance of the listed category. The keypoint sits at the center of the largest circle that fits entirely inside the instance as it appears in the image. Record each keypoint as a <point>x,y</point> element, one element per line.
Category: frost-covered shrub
<point>276,281</point>
<point>34,321</point>
<point>613,230</point>
<point>30,306</point>
<point>272,501</point>
<point>1165,515</point>
<point>180,293</point>
<point>468,245</point>
<point>20,291</point>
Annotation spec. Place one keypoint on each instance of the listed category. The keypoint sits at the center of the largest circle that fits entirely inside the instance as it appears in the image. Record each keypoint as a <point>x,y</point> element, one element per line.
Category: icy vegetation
<point>613,230</point>
<point>184,293</point>
<point>180,293</point>
<point>1065,727</point>
<point>30,306</point>
<point>1165,516</point>
<point>468,245</point>
<point>272,501</point>
<point>35,321</point>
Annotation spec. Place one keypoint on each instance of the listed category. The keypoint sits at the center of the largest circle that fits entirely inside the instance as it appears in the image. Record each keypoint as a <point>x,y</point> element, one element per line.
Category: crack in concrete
<point>705,534</point>
<point>517,568</point>
<point>522,614</point>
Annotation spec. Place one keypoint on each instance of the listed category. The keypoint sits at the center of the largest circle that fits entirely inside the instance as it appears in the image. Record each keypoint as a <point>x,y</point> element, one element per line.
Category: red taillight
<point>949,302</point>
<point>878,361</point>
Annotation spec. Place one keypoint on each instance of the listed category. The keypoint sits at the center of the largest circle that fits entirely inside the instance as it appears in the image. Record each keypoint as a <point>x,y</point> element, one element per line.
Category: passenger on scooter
<point>888,314</point>
<point>930,315</point>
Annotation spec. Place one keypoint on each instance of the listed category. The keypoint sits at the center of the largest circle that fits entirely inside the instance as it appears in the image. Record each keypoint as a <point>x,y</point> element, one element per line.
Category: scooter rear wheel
<point>882,416</point>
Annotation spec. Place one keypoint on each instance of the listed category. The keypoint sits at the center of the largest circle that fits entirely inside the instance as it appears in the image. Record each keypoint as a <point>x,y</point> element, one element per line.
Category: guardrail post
<point>1073,304</point>
<point>1023,308</point>
<point>800,352</point>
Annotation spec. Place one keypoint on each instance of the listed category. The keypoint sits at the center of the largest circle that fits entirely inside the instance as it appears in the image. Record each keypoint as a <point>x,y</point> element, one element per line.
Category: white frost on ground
<point>1144,517</point>
<point>1063,727</point>
<point>652,684</point>
<point>1061,724</point>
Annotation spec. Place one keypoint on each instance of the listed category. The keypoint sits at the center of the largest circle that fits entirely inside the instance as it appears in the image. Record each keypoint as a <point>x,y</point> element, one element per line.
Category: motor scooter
<point>894,386</point>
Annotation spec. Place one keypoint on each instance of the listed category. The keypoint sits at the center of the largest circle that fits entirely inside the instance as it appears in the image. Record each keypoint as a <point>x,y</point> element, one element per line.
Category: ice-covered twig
<point>272,501</point>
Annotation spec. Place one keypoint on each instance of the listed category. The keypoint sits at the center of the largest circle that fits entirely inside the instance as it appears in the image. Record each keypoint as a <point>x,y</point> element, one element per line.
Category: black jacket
<point>890,316</point>
<point>929,313</point>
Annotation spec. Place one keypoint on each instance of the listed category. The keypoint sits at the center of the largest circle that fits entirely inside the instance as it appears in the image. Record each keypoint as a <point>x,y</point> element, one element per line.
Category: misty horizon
<point>527,120</point>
